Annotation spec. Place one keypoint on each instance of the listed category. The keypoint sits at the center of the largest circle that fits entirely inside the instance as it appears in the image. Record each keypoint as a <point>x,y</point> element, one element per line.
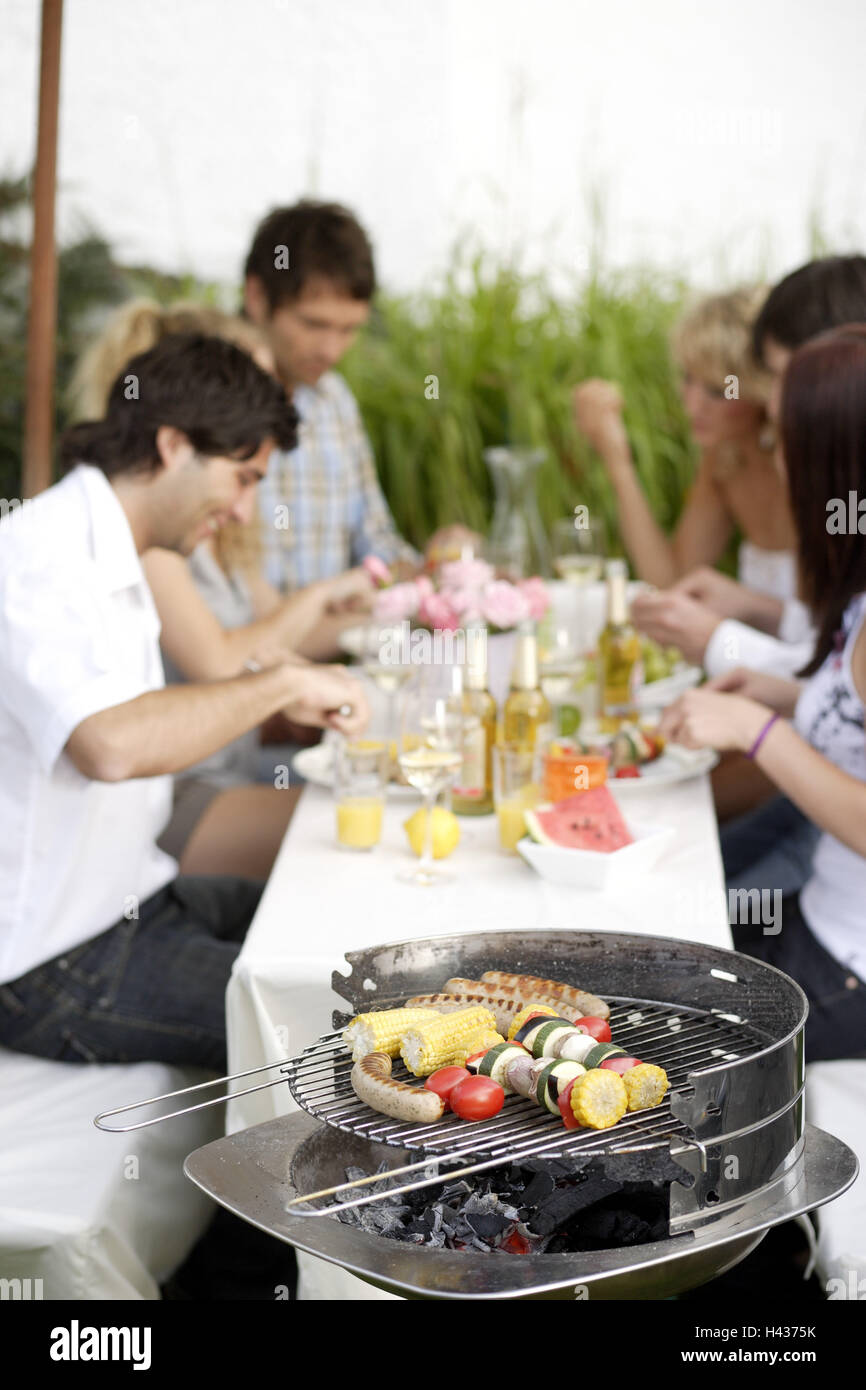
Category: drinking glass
<point>430,752</point>
<point>517,787</point>
<point>560,668</point>
<point>579,550</point>
<point>360,782</point>
<point>382,653</point>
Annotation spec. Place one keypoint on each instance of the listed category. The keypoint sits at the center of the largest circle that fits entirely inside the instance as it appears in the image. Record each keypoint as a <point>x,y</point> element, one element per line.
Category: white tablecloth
<point>321,902</point>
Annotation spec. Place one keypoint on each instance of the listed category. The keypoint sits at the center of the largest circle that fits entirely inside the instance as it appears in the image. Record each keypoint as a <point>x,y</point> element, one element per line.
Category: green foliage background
<point>505,346</point>
<point>506,349</point>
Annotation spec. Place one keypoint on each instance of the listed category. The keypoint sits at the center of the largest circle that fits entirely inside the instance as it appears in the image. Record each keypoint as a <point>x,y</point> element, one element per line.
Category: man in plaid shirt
<point>309,279</point>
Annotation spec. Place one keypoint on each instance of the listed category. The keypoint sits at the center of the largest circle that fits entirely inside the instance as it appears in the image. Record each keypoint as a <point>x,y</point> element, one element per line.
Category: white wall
<point>712,129</point>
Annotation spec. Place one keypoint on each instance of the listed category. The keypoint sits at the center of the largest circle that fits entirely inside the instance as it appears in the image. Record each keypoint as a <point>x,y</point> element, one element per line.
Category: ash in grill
<point>520,1209</point>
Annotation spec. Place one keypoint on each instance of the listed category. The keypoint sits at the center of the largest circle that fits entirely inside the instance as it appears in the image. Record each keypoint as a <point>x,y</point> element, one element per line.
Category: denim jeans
<point>148,989</point>
<point>836,1026</point>
<point>770,847</point>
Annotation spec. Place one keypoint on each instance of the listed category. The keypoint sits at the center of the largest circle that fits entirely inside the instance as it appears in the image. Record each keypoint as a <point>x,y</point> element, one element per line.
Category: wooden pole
<point>42,323</point>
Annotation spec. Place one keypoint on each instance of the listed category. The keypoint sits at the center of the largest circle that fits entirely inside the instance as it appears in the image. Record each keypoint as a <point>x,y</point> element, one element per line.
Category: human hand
<point>714,590</point>
<point>598,407</point>
<point>319,692</point>
<point>775,691</point>
<point>730,599</point>
<point>713,719</point>
<point>349,592</point>
<point>449,541</point>
<point>674,620</point>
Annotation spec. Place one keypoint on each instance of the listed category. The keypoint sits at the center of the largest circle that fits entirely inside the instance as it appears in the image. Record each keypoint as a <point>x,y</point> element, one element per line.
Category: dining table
<point>322,901</point>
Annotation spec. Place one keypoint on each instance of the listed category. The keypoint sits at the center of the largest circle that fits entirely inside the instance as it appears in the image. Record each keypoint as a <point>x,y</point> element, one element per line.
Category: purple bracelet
<point>762,735</point>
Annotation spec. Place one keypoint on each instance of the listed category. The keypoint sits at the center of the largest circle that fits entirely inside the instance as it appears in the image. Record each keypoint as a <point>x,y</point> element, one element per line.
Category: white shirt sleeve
<point>795,624</point>
<point>58,664</point>
<point>736,644</point>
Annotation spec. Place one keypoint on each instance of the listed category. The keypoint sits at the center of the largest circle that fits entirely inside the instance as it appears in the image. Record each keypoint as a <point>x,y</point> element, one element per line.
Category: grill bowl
<point>745,1105</point>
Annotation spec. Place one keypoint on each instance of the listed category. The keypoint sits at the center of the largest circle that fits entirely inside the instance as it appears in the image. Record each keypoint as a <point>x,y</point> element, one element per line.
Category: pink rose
<point>537,595</point>
<point>503,605</point>
<point>436,612</point>
<point>377,570</point>
<point>424,586</point>
<point>465,602</point>
<point>394,604</point>
<point>465,574</point>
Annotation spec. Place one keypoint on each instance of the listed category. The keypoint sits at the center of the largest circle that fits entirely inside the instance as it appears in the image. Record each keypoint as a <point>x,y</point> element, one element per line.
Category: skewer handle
<point>186,1091</point>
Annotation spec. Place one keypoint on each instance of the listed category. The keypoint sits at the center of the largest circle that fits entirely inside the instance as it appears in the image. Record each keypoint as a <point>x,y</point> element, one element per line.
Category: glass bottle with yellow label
<point>472,792</point>
<point>526,714</point>
<point>619,652</point>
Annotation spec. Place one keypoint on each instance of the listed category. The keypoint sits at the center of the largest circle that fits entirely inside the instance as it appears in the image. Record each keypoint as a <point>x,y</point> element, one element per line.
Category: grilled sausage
<point>373,1083</point>
<point>531,988</point>
<point>504,1010</point>
<point>507,996</point>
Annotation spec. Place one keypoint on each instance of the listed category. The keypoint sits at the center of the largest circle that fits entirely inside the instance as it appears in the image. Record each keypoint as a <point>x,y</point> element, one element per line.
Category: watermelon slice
<point>588,820</point>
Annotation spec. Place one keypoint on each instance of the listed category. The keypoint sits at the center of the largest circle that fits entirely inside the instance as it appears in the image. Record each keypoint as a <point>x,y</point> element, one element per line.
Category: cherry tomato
<point>477,1098</point>
<point>472,1062</point>
<point>444,1080</point>
<point>596,1028</point>
<point>619,1064</point>
<point>565,1109</point>
<point>631,770</point>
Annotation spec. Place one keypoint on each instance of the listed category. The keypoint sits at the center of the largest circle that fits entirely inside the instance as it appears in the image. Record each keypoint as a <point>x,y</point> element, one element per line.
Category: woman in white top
<point>736,487</point>
<point>818,759</point>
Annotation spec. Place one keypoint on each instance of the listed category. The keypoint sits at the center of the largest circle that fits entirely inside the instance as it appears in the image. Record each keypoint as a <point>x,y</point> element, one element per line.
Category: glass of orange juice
<point>360,782</point>
<point>517,787</point>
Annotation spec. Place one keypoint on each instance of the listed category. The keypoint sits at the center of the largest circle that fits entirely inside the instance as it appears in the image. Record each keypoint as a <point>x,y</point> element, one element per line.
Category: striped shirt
<point>322,505</point>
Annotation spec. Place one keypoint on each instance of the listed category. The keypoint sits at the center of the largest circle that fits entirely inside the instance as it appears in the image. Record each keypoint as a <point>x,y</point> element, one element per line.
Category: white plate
<point>676,764</point>
<point>316,765</point>
<point>660,694</point>
<point>589,868</point>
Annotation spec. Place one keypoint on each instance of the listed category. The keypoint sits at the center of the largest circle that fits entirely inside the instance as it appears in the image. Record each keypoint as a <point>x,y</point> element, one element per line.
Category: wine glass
<point>430,753</point>
<point>384,653</point>
<point>579,549</point>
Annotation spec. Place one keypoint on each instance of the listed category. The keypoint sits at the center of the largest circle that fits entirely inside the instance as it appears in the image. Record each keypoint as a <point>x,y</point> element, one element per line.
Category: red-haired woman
<point>809,737</point>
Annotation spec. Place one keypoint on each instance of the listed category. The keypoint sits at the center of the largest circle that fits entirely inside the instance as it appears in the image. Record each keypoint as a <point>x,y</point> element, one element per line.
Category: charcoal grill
<point>728,1030</point>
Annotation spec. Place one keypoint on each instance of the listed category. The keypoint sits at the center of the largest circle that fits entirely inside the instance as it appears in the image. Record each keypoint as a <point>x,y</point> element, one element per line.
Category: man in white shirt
<point>105,954</point>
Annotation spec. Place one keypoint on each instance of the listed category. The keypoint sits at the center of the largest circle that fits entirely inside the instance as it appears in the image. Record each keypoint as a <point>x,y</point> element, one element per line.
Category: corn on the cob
<point>645,1086</point>
<point>433,1042</point>
<point>520,1019</point>
<point>382,1031</point>
<point>599,1099</point>
<point>481,1041</point>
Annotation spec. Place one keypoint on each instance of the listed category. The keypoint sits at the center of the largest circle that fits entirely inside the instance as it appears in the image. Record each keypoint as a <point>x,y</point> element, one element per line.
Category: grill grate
<point>681,1040</point>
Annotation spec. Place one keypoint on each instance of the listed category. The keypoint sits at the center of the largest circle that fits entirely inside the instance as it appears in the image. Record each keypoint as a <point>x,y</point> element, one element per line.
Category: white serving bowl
<point>589,868</point>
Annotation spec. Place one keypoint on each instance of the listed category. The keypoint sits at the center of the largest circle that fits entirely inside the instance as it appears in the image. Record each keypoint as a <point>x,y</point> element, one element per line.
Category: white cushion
<point>95,1215</point>
<point>836,1102</point>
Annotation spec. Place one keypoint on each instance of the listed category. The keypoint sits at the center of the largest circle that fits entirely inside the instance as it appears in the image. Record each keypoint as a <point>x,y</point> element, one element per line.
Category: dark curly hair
<point>206,387</point>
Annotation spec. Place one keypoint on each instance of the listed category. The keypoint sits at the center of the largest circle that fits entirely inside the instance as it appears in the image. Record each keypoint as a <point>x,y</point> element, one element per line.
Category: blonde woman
<point>218,614</point>
<point>738,486</point>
